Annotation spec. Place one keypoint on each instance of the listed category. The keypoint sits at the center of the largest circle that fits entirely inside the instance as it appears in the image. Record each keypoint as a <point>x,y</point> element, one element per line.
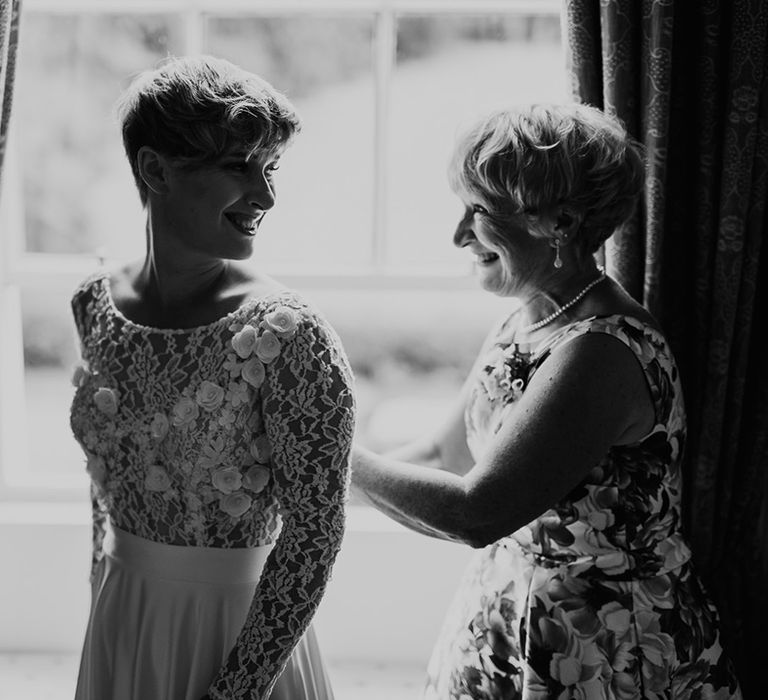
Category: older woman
<point>561,460</point>
<point>216,413</point>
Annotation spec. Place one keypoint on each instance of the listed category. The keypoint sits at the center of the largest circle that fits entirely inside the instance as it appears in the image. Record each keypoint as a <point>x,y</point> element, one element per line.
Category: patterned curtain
<point>9,41</point>
<point>690,81</point>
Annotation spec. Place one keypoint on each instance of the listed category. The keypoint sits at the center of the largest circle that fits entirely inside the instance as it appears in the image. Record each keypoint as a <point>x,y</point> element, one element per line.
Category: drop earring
<point>558,260</point>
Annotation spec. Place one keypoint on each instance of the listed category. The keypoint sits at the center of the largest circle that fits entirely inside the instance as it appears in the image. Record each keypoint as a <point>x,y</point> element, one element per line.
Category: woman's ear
<point>560,223</point>
<point>568,222</point>
<point>153,169</point>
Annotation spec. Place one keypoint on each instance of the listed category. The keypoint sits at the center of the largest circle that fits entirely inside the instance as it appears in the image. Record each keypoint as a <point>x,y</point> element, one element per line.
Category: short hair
<point>196,109</point>
<point>532,159</point>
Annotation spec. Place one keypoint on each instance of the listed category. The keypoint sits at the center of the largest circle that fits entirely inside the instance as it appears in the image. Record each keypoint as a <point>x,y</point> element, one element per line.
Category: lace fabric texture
<point>232,434</point>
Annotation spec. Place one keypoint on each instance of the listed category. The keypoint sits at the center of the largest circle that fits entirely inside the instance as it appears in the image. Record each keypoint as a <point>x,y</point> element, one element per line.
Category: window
<point>364,216</point>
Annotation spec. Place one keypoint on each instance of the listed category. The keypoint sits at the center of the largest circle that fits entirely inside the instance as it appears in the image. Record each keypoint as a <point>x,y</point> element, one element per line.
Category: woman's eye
<point>273,167</point>
<point>479,209</point>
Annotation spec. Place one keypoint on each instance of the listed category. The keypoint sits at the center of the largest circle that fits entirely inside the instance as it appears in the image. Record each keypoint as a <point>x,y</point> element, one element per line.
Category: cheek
<point>495,239</point>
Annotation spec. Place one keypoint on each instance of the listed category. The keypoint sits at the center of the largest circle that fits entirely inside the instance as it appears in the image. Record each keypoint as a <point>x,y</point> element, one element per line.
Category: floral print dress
<point>597,597</point>
<point>235,434</point>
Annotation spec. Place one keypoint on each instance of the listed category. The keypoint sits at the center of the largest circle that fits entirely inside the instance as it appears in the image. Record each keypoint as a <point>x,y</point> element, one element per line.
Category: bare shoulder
<point>598,374</point>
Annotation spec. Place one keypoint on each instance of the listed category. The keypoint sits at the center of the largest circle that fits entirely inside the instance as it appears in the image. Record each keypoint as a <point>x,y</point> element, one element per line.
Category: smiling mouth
<point>486,258</point>
<point>247,225</point>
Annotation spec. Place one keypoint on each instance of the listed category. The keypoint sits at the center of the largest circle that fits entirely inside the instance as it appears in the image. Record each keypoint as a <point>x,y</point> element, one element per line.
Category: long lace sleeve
<point>98,529</point>
<point>308,409</point>
<point>80,317</point>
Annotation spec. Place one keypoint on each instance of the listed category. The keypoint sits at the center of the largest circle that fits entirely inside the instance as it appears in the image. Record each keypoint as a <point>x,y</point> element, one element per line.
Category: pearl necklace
<point>568,304</point>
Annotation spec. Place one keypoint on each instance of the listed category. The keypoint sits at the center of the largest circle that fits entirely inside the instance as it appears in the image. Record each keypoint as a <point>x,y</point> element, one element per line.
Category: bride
<point>215,410</point>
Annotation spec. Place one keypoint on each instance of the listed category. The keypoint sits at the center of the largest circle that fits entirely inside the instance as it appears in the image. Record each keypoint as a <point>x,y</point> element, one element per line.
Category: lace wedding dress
<point>218,458</point>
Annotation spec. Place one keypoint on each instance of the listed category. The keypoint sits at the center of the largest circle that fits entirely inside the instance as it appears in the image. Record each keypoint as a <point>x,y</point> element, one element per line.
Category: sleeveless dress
<point>597,597</point>
<point>219,465</point>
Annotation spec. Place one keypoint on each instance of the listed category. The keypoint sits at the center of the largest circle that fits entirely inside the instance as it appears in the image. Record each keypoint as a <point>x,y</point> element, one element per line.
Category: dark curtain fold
<point>690,81</point>
<point>9,41</point>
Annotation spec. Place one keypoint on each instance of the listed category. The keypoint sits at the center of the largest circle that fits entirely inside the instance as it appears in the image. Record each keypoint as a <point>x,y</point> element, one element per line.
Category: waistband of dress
<point>185,563</point>
<point>667,555</point>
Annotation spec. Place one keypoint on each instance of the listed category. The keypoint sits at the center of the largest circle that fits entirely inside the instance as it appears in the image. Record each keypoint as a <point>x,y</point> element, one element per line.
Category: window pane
<point>78,191</point>
<point>323,214</point>
<point>451,70</point>
<point>49,355</point>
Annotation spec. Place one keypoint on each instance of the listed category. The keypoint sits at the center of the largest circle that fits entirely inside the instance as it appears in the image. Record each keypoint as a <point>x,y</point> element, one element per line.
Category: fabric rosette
<point>227,479</point>
<point>106,401</point>
<point>209,396</point>
<point>235,504</point>
<point>157,479</point>
<point>184,412</point>
<point>253,372</point>
<point>267,347</point>
<point>283,322</point>
<point>80,374</point>
<point>244,341</point>
<point>261,449</point>
<point>96,469</point>
<point>158,428</point>
<point>256,478</point>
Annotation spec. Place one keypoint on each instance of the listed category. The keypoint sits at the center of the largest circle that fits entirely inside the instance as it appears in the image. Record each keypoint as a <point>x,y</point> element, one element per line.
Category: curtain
<point>690,81</point>
<point>9,41</point>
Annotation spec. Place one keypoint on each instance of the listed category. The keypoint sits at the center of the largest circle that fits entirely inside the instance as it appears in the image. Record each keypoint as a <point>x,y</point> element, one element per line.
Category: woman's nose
<point>463,233</point>
<point>262,192</point>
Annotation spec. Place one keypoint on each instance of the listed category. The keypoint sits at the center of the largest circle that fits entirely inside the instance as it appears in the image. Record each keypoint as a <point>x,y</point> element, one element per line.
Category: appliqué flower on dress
<point>184,412</point>
<point>235,504</point>
<point>237,393</point>
<point>256,478</point>
<point>254,345</point>
<point>106,401</point>
<point>253,372</point>
<point>80,374</point>
<point>261,449</point>
<point>244,341</point>
<point>227,479</point>
<point>96,469</point>
<point>209,396</point>
<point>157,479</point>
<point>268,347</point>
<point>283,321</point>
<point>159,426</point>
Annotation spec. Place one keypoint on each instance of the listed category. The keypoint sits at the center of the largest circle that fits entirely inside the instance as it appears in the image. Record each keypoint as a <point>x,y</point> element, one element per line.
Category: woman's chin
<point>491,279</point>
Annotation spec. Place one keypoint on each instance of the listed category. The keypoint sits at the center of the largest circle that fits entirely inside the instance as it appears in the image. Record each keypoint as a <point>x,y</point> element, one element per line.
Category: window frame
<point>18,267</point>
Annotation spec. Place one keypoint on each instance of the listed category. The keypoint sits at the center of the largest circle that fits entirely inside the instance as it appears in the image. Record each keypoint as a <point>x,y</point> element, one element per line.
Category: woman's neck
<point>172,276</point>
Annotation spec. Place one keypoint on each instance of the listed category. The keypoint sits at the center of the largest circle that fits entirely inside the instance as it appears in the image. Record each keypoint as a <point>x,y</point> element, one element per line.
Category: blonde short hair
<point>529,160</point>
<point>196,109</point>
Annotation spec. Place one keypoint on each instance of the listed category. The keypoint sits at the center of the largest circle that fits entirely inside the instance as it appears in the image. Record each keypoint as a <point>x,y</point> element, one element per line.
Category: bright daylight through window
<point>364,209</point>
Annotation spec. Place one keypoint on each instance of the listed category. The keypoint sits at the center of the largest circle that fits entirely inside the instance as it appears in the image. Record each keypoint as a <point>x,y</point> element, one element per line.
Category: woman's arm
<point>308,409</point>
<point>81,322</point>
<point>588,395</point>
<point>446,446</point>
